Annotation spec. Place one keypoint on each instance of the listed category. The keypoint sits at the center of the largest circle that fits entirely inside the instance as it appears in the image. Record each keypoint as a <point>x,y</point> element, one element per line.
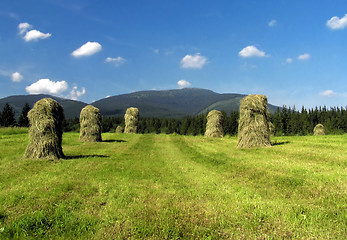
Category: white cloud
<point>193,61</point>
<point>304,56</point>
<point>116,61</point>
<point>272,23</point>
<point>251,51</point>
<point>35,35</point>
<point>24,27</point>
<point>289,60</point>
<point>32,35</point>
<point>336,23</point>
<point>87,49</point>
<point>156,51</point>
<point>183,84</point>
<point>328,93</point>
<point>16,77</point>
<point>47,86</point>
<point>75,94</point>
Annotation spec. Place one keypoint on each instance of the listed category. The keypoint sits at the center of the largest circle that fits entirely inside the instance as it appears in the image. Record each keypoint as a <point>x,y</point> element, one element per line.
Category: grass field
<point>175,187</point>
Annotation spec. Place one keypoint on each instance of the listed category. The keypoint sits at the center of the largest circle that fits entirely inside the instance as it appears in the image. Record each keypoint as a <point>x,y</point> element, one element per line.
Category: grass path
<point>175,187</point>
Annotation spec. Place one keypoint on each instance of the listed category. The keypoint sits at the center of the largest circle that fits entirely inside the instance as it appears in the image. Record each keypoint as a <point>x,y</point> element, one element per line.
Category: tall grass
<point>175,187</point>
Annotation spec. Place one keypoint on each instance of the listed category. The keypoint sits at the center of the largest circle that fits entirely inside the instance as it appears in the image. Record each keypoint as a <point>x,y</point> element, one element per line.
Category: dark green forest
<point>287,121</point>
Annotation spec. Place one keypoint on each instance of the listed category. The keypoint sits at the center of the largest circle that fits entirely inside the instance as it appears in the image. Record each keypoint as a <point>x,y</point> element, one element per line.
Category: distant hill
<point>71,108</point>
<point>168,103</point>
<point>171,103</point>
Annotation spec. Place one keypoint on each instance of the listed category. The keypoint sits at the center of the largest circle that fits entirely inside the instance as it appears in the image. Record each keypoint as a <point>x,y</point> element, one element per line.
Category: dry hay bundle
<point>319,130</point>
<point>45,130</point>
<point>119,129</point>
<point>90,124</point>
<point>254,121</point>
<point>214,124</point>
<point>271,128</point>
<point>131,118</point>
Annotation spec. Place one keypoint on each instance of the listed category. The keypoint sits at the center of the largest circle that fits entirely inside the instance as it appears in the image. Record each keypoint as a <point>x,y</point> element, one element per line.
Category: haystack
<point>271,129</point>
<point>131,118</point>
<point>214,126</point>
<point>319,130</point>
<point>90,124</point>
<point>254,121</point>
<point>45,130</point>
<point>119,129</point>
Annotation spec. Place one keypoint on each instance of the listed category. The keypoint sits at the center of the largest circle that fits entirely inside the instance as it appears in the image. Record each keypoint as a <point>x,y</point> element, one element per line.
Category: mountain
<point>71,108</point>
<point>169,103</point>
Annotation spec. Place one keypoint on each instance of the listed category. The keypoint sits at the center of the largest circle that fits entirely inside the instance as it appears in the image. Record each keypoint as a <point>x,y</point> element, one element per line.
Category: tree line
<point>7,117</point>
<point>286,121</point>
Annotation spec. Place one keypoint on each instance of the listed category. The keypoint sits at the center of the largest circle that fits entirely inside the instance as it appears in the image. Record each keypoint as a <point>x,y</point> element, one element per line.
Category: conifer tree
<point>23,118</point>
<point>7,116</point>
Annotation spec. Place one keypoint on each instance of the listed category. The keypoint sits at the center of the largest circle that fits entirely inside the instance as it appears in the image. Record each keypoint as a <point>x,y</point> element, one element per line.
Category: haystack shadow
<point>84,156</point>
<point>113,140</point>
<point>279,143</point>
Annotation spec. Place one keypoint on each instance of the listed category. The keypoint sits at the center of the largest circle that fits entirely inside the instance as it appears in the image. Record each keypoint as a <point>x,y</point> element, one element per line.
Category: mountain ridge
<point>71,107</point>
<point>175,103</point>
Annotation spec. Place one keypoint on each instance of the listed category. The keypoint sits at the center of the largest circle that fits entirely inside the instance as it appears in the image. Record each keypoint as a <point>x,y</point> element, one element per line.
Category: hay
<point>319,130</point>
<point>45,130</point>
<point>214,125</point>
<point>271,129</point>
<point>90,124</point>
<point>254,121</point>
<point>119,129</point>
<point>131,118</point>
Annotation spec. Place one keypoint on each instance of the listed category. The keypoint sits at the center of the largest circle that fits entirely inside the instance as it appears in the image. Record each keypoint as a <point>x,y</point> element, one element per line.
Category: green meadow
<point>174,187</point>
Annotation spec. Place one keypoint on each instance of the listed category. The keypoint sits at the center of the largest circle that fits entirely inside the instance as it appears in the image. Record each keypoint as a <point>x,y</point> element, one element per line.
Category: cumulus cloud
<point>116,61</point>
<point>193,61</point>
<point>251,51</point>
<point>87,49</point>
<point>328,93</point>
<point>75,94</point>
<point>16,77</point>
<point>183,84</point>
<point>24,27</point>
<point>46,86</point>
<point>35,35</point>
<point>304,56</point>
<point>337,23</point>
<point>272,23</point>
<point>32,35</point>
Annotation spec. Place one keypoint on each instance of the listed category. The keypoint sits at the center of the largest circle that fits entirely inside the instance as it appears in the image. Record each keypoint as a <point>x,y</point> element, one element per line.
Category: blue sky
<point>294,52</point>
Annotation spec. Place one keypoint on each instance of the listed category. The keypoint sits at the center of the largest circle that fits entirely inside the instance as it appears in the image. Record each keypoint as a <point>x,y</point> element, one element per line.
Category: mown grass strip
<point>164,187</point>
